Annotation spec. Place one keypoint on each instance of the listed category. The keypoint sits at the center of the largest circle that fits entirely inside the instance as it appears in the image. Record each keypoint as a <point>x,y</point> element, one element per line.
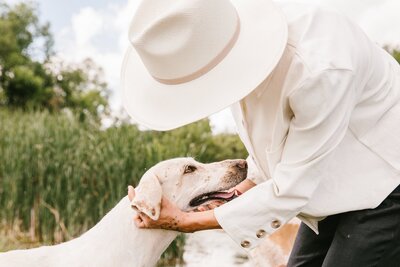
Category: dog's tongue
<point>209,197</point>
<point>224,195</point>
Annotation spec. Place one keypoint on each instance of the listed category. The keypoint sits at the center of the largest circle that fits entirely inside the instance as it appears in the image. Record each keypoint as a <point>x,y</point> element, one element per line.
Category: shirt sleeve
<point>322,107</point>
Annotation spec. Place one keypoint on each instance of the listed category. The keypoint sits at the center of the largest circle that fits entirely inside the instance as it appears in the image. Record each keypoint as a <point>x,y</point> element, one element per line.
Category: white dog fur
<point>115,240</point>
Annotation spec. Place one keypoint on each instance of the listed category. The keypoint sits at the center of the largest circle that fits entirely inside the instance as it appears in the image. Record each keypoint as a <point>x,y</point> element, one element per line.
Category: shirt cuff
<point>248,220</point>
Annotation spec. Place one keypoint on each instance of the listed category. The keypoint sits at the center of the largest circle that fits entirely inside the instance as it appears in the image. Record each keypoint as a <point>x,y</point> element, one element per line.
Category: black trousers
<point>364,238</point>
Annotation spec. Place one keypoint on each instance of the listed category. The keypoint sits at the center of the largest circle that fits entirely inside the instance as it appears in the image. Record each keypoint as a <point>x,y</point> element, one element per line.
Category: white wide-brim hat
<point>189,59</point>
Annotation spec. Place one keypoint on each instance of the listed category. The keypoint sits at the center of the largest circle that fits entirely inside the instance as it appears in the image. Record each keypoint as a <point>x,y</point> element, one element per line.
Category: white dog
<point>116,241</point>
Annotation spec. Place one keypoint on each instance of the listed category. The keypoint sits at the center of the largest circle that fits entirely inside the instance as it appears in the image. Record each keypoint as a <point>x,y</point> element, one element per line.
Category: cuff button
<point>275,224</point>
<point>260,233</point>
<point>245,244</point>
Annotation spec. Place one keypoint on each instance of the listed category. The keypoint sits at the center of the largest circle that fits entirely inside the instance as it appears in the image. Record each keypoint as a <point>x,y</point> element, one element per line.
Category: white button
<point>275,224</point>
<point>245,244</point>
<point>260,233</point>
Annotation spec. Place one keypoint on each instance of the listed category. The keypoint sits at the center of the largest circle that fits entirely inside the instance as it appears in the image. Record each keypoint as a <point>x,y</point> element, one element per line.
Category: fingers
<point>197,209</point>
<point>215,204</point>
<point>141,220</point>
<point>131,192</point>
<point>238,193</point>
<point>212,206</point>
<point>209,206</point>
<point>202,208</point>
<point>232,189</point>
<point>245,185</point>
<point>138,221</point>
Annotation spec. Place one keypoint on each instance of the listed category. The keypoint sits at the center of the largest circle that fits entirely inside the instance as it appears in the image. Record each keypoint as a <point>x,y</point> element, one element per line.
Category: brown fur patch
<point>285,237</point>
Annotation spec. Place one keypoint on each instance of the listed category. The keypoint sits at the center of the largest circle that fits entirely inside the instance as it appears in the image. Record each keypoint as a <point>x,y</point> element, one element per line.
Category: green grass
<point>59,176</point>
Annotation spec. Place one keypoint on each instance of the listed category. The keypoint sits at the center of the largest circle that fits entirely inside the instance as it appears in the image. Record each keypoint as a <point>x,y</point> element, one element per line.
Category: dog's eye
<point>189,169</point>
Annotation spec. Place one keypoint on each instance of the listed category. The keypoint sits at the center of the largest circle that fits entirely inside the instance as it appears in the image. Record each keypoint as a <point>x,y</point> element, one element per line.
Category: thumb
<point>131,192</point>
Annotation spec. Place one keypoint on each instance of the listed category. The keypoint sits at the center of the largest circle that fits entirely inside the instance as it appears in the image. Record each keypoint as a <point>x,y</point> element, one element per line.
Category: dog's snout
<point>241,164</point>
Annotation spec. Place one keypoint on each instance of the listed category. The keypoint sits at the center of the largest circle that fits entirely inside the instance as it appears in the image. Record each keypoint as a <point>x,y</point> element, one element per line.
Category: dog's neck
<point>114,241</point>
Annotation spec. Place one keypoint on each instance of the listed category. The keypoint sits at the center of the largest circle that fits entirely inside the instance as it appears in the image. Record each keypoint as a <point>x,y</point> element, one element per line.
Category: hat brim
<point>257,51</point>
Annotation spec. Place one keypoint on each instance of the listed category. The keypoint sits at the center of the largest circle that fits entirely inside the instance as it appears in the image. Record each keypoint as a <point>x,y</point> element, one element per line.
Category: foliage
<point>59,176</point>
<point>20,29</point>
<point>396,54</point>
<point>81,88</point>
<point>29,76</point>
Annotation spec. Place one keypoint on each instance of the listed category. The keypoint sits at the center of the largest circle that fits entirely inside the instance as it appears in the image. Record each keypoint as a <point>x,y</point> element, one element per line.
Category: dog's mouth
<point>225,196</point>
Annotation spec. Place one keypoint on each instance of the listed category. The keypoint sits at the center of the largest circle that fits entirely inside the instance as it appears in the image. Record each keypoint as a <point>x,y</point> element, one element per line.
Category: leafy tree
<point>20,76</point>
<point>31,79</point>
<point>21,35</point>
<point>23,85</point>
<point>83,88</point>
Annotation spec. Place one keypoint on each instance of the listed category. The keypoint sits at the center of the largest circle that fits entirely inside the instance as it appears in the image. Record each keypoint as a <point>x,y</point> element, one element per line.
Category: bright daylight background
<point>98,29</point>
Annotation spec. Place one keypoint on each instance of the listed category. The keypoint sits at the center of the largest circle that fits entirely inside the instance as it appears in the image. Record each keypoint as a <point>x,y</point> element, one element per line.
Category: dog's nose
<point>241,164</point>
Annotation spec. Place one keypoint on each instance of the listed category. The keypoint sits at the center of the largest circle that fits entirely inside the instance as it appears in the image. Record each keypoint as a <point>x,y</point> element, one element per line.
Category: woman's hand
<point>172,218</point>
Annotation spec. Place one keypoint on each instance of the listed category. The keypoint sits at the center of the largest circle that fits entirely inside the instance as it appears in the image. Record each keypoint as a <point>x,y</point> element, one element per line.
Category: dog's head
<point>187,183</point>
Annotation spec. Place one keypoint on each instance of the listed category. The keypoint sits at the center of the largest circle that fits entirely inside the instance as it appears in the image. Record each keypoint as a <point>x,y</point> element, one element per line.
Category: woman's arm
<point>172,218</point>
<point>244,186</point>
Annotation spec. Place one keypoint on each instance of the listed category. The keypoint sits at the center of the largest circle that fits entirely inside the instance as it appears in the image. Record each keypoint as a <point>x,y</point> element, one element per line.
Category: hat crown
<point>175,39</point>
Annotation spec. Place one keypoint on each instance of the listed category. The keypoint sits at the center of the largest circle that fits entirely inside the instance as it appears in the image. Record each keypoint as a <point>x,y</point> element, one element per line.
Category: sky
<point>98,29</point>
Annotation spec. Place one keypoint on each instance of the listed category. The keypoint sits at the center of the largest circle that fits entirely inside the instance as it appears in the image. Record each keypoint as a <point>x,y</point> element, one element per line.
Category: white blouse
<point>322,132</point>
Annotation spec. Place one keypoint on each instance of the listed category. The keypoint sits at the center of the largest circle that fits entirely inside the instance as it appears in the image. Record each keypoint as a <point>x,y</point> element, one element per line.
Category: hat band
<point>214,62</point>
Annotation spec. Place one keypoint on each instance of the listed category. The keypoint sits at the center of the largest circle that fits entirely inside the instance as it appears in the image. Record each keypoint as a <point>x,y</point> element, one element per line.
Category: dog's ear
<point>148,196</point>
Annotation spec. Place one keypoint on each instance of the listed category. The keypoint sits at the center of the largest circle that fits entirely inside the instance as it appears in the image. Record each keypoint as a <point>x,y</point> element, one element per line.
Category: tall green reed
<point>59,176</point>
